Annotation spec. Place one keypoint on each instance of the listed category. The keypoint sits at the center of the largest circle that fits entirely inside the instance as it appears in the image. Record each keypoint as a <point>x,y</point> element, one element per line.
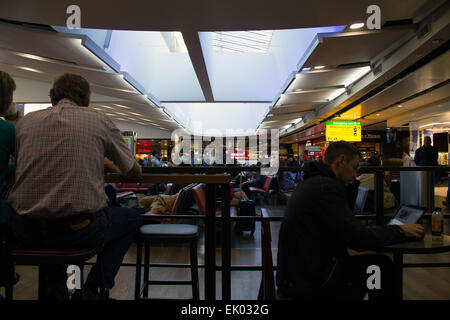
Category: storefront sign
<point>143,146</point>
<point>343,130</point>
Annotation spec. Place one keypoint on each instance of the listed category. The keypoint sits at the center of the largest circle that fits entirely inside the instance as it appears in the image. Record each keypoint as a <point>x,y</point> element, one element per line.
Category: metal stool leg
<point>9,292</point>
<point>146,268</point>
<point>194,271</point>
<point>137,284</point>
<point>41,284</point>
<point>10,279</point>
<point>101,278</point>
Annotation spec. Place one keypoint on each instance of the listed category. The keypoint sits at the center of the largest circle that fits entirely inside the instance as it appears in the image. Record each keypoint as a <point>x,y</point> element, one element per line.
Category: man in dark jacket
<point>427,155</point>
<point>319,227</point>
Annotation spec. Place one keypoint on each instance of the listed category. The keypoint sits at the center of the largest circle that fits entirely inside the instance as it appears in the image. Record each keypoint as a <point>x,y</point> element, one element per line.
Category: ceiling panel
<point>322,78</point>
<point>47,44</point>
<point>294,108</point>
<point>305,98</point>
<point>352,47</point>
<point>411,105</point>
<point>55,68</point>
<point>210,15</point>
<point>432,74</point>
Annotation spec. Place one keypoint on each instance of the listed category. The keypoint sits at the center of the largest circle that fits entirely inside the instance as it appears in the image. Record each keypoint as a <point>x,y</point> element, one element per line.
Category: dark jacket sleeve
<point>417,159</point>
<point>339,220</point>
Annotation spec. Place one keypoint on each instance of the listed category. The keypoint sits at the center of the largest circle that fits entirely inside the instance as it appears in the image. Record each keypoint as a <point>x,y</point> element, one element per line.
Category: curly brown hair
<point>7,87</point>
<point>72,87</point>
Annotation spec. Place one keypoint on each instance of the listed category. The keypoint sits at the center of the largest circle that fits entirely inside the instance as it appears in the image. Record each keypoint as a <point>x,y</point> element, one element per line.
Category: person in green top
<point>7,138</point>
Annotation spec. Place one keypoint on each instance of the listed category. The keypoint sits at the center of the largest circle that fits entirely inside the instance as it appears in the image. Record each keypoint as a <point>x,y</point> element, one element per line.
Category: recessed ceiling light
<point>319,67</point>
<point>399,105</point>
<point>29,69</point>
<point>306,69</point>
<point>357,25</point>
<point>121,106</point>
<point>378,114</point>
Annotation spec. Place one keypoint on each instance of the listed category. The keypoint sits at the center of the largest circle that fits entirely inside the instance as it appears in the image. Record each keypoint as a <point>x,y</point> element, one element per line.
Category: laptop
<point>361,199</point>
<point>407,214</point>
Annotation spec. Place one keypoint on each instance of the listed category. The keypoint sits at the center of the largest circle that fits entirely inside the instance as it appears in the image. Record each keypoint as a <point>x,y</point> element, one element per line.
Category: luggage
<point>130,201</point>
<point>246,208</point>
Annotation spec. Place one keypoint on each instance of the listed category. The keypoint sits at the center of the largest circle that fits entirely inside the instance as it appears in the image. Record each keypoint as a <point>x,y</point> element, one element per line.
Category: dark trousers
<point>352,279</point>
<point>114,227</point>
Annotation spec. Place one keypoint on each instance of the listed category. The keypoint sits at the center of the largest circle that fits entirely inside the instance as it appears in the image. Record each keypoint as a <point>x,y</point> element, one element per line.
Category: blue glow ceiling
<point>246,70</point>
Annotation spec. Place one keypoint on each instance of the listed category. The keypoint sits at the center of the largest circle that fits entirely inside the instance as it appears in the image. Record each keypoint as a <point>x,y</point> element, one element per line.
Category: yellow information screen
<point>343,130</point>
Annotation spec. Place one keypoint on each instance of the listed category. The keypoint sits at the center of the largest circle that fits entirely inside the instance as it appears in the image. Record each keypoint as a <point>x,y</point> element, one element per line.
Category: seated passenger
<point>257,181</point>
<point>319,227</point>
<point>7,139</point>
<point>7,147</point>
<point>58,197</point>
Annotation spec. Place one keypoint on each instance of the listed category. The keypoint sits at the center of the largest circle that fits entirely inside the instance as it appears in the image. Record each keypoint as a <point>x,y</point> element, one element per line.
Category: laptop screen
<point>407,214</point>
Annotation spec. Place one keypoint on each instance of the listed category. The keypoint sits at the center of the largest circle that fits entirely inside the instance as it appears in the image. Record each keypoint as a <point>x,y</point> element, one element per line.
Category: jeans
<point>114,227</point>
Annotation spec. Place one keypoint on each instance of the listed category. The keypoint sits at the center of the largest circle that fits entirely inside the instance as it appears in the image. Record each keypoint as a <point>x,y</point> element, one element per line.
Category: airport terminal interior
<point>298,75</point>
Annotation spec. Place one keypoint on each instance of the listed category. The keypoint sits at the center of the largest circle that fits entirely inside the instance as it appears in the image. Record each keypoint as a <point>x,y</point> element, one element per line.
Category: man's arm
<point>110,166</point>
<point>135,172</point>
<point>337,218</point>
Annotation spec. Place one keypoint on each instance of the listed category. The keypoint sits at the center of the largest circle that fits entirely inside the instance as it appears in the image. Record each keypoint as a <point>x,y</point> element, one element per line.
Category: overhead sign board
<point>343,130</point>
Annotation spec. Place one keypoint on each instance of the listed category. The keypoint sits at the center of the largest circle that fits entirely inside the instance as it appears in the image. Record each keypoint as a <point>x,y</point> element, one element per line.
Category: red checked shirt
<point>60,161</point>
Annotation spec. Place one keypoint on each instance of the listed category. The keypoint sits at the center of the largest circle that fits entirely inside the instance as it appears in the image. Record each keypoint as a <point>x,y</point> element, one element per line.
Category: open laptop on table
<point>407,214</point>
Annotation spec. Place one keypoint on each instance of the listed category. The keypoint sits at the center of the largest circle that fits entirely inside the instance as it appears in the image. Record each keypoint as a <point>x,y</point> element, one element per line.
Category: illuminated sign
<point>143,146</point>
<point>343,130</point>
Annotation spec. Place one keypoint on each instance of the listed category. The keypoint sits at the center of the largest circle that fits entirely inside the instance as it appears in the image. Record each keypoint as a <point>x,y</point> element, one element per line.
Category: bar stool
<point>153,233</point>
<point>40,256</point>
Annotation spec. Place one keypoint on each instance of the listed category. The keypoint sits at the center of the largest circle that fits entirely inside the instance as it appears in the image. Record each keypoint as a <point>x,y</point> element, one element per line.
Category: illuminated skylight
<point>242,41</point>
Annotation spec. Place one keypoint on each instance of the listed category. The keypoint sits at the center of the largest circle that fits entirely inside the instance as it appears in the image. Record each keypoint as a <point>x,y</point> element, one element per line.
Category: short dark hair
<point>7,87</point>
<point>335,149</point>
<point>72,87</point>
